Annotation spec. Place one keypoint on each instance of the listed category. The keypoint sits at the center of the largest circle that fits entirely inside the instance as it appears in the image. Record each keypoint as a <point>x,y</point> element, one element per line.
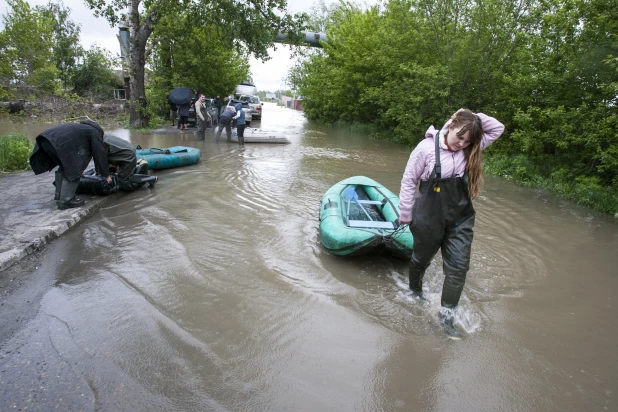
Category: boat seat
<point>371,224</point>
<point>368,202</point>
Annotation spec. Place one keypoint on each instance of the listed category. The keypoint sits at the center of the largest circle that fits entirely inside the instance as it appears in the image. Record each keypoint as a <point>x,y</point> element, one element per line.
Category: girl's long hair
<point>474,168</point>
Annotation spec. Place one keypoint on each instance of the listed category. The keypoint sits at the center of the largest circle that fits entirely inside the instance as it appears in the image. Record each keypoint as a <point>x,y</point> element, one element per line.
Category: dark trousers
<point>455,243</point>
<point>443,220</point>
<point>240,129</point>
<point>227,123</point>
<point>201,124</point>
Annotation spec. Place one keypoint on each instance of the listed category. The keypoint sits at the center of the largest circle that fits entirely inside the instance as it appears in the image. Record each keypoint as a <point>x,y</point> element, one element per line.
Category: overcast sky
<point>267,76</point>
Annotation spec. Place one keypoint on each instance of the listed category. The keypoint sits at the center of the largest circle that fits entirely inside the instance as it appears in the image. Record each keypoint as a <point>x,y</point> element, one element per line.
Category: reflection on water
<point>212,292</point>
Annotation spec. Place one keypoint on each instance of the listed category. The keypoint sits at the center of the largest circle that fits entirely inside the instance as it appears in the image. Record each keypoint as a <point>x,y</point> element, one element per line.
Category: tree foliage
<point>188,54</point>
<point>27,46</point>
<point>250,26</point>
<point>545,68</point>
<point>92,75</point>
<point>66,49</point>
<point>40,53</point>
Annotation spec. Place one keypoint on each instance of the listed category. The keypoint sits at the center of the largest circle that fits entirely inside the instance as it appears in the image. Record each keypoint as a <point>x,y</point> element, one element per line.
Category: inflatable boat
<point>92,184</point>
<point>171,157</point>
<point>360,216</point>
<point>260,136</point>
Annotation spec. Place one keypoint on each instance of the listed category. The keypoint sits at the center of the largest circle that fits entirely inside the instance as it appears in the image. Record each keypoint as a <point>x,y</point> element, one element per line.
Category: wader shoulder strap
<point>438,169</point>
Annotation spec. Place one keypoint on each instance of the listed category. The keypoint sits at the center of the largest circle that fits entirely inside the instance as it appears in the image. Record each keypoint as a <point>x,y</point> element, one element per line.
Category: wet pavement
<point>29,218</point>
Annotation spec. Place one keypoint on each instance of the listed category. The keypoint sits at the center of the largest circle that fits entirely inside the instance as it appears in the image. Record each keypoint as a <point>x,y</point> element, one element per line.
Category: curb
<point>26,247</point>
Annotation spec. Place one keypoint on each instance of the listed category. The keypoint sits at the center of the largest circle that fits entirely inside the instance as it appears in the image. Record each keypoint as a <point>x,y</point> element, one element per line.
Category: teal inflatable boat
<point>171,157</point>
<point>360,216</point>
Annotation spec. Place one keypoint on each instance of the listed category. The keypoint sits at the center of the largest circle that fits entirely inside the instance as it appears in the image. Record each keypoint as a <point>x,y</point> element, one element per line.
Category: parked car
<point>245,107</point>
<point>255,104</point>
<point>210,108</point>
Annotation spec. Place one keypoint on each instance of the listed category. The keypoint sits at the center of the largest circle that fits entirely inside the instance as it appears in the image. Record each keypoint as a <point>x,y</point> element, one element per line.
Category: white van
<point>246,88</point>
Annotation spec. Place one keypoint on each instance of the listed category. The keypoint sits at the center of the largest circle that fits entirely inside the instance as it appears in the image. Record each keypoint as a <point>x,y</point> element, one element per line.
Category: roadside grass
<point>584,190</point>
<point>15,149</point>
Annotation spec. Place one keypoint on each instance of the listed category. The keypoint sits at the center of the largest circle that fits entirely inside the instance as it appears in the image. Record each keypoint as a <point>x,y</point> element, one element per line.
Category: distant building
<point>270,96</point>
<point>287,101</point>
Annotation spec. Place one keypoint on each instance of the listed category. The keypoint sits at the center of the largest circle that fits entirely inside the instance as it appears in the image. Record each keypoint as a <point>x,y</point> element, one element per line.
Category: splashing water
<point>466,316</point>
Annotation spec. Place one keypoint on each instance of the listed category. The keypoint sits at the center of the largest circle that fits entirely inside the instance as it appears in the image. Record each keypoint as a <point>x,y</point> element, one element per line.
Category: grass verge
<point>584,190</point>
<point>15,149</point>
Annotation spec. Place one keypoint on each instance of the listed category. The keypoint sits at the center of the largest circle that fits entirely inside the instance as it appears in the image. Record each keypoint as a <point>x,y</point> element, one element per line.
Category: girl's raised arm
<point>492,129</point>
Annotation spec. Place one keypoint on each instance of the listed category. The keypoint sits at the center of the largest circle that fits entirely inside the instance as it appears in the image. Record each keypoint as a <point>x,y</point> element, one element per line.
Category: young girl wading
<point>448,166</point>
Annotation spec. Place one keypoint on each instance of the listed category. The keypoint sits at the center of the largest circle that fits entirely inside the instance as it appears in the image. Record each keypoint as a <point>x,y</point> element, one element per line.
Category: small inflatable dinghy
<point>360,216</point>
<point>176,156</point>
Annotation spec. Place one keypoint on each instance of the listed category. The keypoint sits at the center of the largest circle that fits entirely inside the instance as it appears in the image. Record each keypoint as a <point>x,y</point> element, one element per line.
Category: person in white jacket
<point>201,111</point>
<point>447,167</point>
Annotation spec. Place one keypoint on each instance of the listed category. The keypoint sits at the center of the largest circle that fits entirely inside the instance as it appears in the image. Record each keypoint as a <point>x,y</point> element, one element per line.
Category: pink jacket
<point>423,159</point>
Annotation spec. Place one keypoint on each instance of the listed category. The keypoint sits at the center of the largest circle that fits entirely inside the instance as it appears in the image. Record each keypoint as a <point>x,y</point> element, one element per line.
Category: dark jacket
<point>240,120</point>
<point>75,144</point>
<point>122,154</point>
<point>217,102</point>
<point>183,109</point>
<point>226,116</point>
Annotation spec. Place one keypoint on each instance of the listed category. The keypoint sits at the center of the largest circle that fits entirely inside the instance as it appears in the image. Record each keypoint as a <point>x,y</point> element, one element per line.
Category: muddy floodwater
<point>211,292</point>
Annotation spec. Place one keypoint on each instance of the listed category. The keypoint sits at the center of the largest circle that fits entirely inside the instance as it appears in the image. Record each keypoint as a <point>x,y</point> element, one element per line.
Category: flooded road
<point>212,292</point>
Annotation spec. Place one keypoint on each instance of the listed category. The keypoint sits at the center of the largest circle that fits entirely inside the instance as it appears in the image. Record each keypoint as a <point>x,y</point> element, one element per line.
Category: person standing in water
<point>202,114</point>
<point>173,111</point>
<point>240,124</point>
<point>447,164</point>
<point>218,104</point>
<point>183,115</point>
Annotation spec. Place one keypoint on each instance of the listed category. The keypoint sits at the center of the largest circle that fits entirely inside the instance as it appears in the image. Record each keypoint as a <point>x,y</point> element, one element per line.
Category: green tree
<point>66,49</point>
<point>250,25</point>
<point>189,54</point>
<point>93,76</point>
<point>546,68</point>
<point>28,40</point>
<point>7,73</point>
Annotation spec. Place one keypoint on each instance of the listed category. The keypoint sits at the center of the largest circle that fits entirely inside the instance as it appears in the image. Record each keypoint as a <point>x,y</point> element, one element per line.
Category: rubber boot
<point>418,294</point>
<point>58,184</point>
<point>416,281</point>
<point>447,319</point>
<point>67,195</point>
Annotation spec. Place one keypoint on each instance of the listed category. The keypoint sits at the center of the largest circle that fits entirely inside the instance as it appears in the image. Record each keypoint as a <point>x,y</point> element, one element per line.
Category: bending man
<point>226,121</point>
<point>70,146</point>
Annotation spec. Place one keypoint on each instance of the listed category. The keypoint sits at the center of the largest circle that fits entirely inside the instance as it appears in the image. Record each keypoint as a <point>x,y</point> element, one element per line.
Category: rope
<point>399,230</point>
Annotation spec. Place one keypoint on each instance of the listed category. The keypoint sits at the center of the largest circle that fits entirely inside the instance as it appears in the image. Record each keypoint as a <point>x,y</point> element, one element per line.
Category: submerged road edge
<point>31,219</point>
<point>49,233</point>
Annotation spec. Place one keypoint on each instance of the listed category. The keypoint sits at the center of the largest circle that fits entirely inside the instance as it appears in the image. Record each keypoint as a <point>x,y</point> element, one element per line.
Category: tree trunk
<point>138,117</point>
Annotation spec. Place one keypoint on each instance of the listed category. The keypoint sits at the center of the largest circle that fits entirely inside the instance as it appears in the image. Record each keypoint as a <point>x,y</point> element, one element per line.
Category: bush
<point>585,190</point>
<point>15,150</point>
